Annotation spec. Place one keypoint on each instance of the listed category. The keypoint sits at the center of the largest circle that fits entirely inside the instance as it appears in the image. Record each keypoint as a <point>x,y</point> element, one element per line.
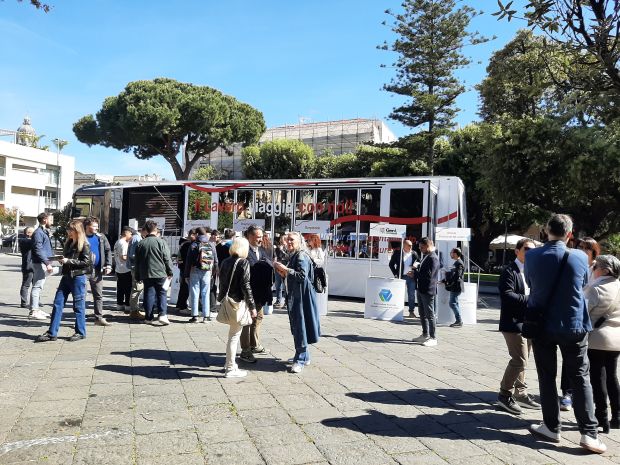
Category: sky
<point>315,60</point>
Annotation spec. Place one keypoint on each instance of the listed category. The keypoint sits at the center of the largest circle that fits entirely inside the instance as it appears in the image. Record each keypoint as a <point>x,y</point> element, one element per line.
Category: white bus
<point>339,210</point>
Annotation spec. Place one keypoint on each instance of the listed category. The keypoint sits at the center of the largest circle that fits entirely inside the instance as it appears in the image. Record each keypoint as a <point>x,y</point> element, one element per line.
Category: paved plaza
<point>136,394</point>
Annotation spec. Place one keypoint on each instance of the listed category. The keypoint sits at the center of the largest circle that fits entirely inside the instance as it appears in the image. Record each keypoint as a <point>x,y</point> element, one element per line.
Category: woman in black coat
<point>455,284</point>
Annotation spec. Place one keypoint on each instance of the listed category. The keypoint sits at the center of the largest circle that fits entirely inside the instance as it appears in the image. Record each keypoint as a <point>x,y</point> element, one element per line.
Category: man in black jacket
<point>427,274</point>
<point>261,280</point>
<point>102,265</point>
<point>513,292</point>
<point>402,266</point>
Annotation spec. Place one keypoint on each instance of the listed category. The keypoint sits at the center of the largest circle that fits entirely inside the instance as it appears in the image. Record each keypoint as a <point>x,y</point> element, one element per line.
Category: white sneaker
<point>37,315</point>
<point>163,319</point>
<point>235,373</point>
<point>592,444</point>
<point>101,321</point>
<point>296,368</point>
<point>421,338</point>
<point>45,314</point>
<point>431,342</point>
<point>545,433</point>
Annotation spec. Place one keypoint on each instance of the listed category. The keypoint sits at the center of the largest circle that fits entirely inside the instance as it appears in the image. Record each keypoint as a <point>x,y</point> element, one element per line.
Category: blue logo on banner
<point>385,295</point>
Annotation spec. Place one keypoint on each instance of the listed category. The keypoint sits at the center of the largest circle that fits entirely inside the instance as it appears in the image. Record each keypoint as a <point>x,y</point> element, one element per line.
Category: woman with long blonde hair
<point>76,265</point>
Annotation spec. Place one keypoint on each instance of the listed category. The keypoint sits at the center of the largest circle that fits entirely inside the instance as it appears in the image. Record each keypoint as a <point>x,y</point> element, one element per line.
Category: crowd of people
<point>564,294</point>
<point>244,268</point>
<point>555,296</point>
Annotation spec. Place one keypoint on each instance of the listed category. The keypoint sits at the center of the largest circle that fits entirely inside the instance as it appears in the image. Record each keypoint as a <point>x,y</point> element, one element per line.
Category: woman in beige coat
<point>603,296</point>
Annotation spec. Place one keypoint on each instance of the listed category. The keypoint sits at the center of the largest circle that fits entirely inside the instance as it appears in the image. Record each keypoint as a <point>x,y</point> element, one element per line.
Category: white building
<point>336,137</point>
<point>33,180</point>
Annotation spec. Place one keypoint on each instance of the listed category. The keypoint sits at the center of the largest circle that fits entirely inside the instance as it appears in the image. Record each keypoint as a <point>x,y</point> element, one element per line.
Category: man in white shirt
<point>403,268</point>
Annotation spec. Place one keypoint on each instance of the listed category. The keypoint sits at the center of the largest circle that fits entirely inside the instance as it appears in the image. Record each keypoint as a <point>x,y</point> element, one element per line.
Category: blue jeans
<point>454,305</point>
<point>302,355</point>
<point>153,290</point>
<point>39,275</point>
<point>200,290</point>
<point>279,288</point>
<point>426,304</point>
<point>410,283</point>
<point>574,350</point>
<point>76,287</point>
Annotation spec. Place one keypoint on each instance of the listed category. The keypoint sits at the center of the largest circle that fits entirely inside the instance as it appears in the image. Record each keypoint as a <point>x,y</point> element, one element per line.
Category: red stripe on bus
<point>216,189</point>
<point>380,219</point>
<point>446,218</point>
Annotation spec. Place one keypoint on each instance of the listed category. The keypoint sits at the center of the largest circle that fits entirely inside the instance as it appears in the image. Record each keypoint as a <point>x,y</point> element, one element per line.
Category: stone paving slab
<point>135,394</point>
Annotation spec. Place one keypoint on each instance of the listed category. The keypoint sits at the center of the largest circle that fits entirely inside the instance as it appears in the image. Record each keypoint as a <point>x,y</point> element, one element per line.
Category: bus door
<point>410,204</point>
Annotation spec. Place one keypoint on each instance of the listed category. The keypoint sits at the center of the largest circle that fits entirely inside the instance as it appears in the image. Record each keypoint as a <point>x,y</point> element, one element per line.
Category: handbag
<point>319,281</point>
<point>534,322</point>
<point>232,311</point>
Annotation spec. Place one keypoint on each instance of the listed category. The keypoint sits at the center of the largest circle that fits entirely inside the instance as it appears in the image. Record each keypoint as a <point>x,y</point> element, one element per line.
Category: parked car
<point>8,241</point>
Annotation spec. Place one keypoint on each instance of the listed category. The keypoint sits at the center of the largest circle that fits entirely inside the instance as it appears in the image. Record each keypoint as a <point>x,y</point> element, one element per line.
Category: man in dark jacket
<point>514,292</point>
<point>427,274</point>
<point>102,265</point>
<point>41,264</point>
<point>185,244</point>
<point>402,266</point>
<point>25,248</point>
<point>153,268</point>
<point>261,280</point>
<point>566,324</point>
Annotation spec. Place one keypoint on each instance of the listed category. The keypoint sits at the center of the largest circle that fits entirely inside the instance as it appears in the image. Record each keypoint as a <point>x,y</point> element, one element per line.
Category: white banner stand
<point>175,286</point>
<point>385,297</point>
<point>468,301</point>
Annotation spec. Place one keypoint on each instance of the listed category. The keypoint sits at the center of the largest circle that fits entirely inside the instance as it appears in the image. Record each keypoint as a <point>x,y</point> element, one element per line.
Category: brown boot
<point>136,315</point>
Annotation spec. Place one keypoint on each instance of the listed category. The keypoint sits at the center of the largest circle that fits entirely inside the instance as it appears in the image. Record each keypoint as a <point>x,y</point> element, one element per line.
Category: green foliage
<point>535,166</point>
<point>62,218</point>
<point>611,245</point>
<point>531,77</point>
<point>431,35</point>
<point>8,216</point>
<point>278,159</point>
<point>198,197</point>
<point>338,166</point>
<point>590,28</point>
<point>162,116</point>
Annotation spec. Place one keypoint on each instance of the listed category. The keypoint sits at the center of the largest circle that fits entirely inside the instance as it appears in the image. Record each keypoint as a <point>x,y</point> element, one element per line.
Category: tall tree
<point>431,36</point>
<point>591,28</point>
<point>167,118</point>
<point>278,159</point>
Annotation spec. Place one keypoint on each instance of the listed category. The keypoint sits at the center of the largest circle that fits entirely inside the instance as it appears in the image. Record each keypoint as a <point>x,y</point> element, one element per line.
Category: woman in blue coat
<point>302,305</point>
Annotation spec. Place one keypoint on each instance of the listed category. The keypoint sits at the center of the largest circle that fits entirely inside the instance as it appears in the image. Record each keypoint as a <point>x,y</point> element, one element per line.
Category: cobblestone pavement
<point>136,394</point>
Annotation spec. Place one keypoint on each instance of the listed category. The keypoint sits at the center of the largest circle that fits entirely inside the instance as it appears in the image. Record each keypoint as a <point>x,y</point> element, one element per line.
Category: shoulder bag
<point>232,311</point>
<point>534,321</point>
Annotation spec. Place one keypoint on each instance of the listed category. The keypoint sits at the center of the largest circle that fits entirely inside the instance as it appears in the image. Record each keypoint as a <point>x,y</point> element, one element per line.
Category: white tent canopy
<point>510,240</point>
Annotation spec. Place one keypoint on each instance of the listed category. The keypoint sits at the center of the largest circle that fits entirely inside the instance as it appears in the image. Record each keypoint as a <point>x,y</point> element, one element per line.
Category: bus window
<point>225,214</point>
<point>82,208</point>
<point>345,237</point>
<point>304,208</point>
<point>283,211</point>
<point>245,204</point>
<point>264,207</point>
<point>198,205</point>
<point>408,204</point>
<point>370,204</point>
<point>325,202</point>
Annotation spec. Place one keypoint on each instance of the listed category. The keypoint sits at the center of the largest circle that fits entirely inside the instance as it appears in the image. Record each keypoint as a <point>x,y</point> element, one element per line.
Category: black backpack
<point>319,281</point>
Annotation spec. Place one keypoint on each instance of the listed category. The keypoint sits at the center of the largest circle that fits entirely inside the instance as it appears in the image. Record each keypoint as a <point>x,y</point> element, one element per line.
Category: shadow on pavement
<point>468,415</point>
<point>16,335</point>
<point>378,340</point>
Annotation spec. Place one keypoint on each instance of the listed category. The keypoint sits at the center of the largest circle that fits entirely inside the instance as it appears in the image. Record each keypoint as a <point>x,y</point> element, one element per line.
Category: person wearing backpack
<point>200,263</point>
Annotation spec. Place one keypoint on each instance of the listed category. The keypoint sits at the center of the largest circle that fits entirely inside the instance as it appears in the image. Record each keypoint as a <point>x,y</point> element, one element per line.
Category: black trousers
<point>123,288</point>
<point>183,294</point>
<point>575,360</point>
<point>24,291</point>
<point>603,372</point>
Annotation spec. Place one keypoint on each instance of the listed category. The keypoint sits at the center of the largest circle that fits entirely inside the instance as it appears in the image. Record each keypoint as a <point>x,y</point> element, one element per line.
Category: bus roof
<point>241,183</point>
